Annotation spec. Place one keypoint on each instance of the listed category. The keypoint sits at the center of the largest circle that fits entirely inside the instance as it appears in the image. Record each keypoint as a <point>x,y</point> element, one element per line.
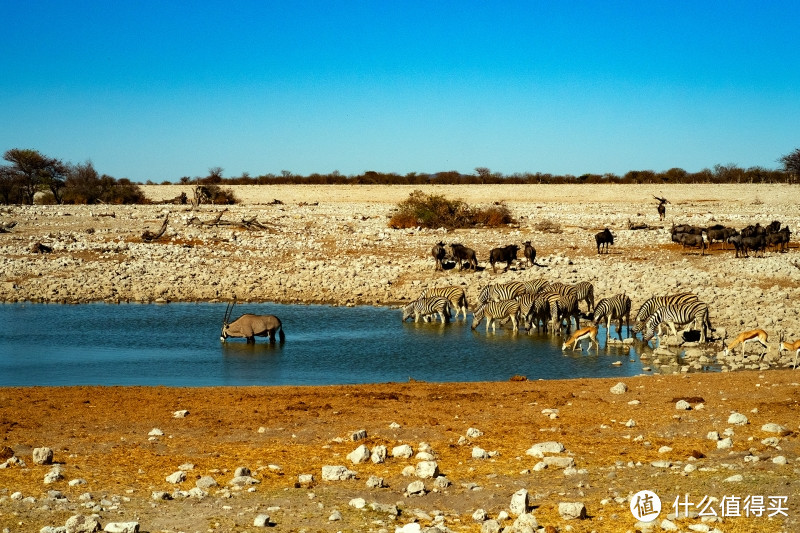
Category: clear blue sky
<point>163,89</point>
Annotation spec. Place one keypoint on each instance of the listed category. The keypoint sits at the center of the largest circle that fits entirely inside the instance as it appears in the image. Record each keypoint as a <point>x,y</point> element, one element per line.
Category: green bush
<point>434,211</point>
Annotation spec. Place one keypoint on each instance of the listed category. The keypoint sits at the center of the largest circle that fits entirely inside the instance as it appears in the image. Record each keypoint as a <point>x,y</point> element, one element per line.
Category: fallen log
<point>149,236</point>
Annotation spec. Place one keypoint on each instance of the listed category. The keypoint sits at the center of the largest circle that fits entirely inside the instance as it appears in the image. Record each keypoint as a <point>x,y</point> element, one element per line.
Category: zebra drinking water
<point>617,307</point>
<point>425,307</point>
<point>494,311</point>
<point>455,294</point>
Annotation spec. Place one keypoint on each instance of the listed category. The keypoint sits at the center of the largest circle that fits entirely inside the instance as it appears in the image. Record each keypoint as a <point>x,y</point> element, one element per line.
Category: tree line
<point>30,174</point>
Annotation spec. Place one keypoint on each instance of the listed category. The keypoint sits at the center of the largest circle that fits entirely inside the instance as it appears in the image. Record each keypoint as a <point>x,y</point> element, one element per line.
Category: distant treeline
<point>720,174</point>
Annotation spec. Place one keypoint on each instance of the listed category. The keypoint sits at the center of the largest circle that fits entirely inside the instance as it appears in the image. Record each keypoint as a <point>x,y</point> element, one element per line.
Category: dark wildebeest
<point>756,243</point>
<point>530,253</point>
<point>438,252</point>
<point>780,239</point>
<point>604,238</point>
<point>462,253</point>
<point>690,239</point>
<point>720,233</point>
<point>506,253</point>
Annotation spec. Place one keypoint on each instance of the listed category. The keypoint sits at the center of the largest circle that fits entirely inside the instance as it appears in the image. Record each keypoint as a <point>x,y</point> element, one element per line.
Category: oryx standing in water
<point>251,326</point>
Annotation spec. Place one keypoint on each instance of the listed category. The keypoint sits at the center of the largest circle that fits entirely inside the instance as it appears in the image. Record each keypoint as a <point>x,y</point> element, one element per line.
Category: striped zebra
<point>534,286</point>
<point>455,294</point>
<point>654,303</point>
<point>585,292</point>
<point>526,310</point>
<point>561,307</point>
<point>501,291</point>
<point>425,307</point>
<point>680,315</point>
<point>494,311</point>
<point>616,307</point>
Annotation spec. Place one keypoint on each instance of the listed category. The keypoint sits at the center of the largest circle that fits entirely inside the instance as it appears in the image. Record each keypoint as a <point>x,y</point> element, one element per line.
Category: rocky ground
<point>332,244</point>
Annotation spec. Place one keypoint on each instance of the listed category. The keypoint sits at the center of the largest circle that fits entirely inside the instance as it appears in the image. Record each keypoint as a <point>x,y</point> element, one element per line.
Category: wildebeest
<point>505,253</point>
<point>462,253</point>
<point>604,238</point>
<point>690,239</point>
<point>438,252</point>
<point>530,252</point>
<point>779,239</point>
<point>720,233</point>
<point>251,326</point>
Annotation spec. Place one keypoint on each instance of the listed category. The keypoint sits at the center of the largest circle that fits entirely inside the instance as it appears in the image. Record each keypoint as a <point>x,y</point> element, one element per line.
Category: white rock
<point>82,524</point>
<point>155,432</point>
<point>619,388</point>
<point>664,449</point>
<point>519,503</point>
<point>737,419</point>
<point>473,433</point>
<point>775,428</point>
<point>479,515</point>
<point>734,478</point>
<point>479,453</point>
<point>779,460</point>
<point>359,455</point>
<point>725,443</point>
<point>261,520</point>
<point>122,527</point>
<point>337,473</point>
<point>42,456</point>
<point>538,450</point>
<point>415,487</point>
<point>379,454</point>
<point>682,405</point>
<point>358,503</point>
<point>177,477</point>
<point>180,414</point>
<point>206,482</point>
<point>572,510</point>
<point>403,451</point>
<point>427,470</point>
<point>413,527</point>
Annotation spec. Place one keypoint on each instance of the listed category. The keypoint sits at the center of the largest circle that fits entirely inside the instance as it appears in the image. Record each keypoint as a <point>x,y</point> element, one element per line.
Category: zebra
<point>616,307</point>
<point>680,315</point>
<point>425,307</point>
<point>494,311</point>
<point>501,291</point>
<point>654,303</point>
<point>535,285</point>
<point>585,293</point>
<point>455,294</point>
<point>526,310</point>
<point>562,306</point>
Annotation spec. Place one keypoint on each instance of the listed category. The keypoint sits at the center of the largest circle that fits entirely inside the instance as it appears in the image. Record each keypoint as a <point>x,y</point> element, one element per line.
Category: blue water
<point>178,345</point>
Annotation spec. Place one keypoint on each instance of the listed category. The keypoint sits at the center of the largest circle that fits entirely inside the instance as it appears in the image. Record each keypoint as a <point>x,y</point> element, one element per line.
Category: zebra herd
<point>554,306</point>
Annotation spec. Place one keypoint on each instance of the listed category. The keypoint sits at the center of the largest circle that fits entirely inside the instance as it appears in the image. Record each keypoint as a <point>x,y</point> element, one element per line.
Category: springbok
<point>589,332</point>
<point>786,346</point>
<point>748,336</point>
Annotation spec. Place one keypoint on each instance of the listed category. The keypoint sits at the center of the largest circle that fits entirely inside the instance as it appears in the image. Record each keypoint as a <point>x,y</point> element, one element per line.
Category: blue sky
<point>159,90</point>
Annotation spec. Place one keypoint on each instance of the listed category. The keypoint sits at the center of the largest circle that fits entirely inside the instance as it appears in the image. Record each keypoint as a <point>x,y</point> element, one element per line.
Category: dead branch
<point>149,236</point>
<point>112,215</point>
<point>40,248</point>
<point>251,224</point>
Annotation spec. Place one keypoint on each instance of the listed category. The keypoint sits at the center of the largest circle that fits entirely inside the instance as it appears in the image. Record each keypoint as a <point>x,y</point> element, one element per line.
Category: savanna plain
<point>718,441</point>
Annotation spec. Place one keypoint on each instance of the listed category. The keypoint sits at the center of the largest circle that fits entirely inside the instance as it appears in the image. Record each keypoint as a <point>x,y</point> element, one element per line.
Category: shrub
<point>548,226</point>
<point>434,211</point>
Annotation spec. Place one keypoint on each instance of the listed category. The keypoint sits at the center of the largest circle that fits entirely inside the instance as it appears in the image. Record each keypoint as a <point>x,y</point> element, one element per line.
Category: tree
<point>34,170</point>
<point>791,162</point>
<point>83,184</point>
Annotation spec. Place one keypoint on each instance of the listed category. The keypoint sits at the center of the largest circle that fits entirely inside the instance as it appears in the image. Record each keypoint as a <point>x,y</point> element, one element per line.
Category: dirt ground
<point>101,435</point>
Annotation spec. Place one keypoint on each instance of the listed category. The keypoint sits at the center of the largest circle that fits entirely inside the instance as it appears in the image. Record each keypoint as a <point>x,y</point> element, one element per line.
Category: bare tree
<point>791,162</point>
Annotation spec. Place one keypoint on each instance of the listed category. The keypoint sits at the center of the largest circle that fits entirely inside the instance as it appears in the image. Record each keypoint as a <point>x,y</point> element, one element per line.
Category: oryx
<point>251,326</point>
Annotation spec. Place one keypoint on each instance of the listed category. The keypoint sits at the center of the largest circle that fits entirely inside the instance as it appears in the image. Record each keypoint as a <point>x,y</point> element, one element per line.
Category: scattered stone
<point>619,388</point>
<point>358,503</point>
<point>53,475</point>
<point>186,467</point>
<point>180,414</point>
<point>359,455</point>
<point>538,450</point>
<point>160,495</point>
<point>473,433</point>
<point>177,477</point>
<point>682,405</point>
<point>335,516</point>
<point>559,462</point>
<point>403,451</point>
<point>572,510</point>
<point>394,425</point>
<point>490,526</point>
<point>427,470</point>
<point>82,524</point>
<point>479,453</point>
<point>122,527</point>
<point>725,443</point>
<point>206,482</point>
<point>242,471</point>
<point>155,432</point>
<point>361,434</point>
<point>76,482</point>
<point>779,460</point>
<point>243,481</point>
<point>664,449</point>
<point>775,428</point>
<point>519,503</point>
<point>734,479</point>
<point>441,482</point>
<point>525,523</point>
<point>261,520</point>
<point>375,482</point>
<point>379,454</point>
<point>385,508</point>
<point>480,515</point>
<point>737,419</point>
<point>337,473</point>
<point>42,456</point>
<point>416,488</point>
<point>712,435</point>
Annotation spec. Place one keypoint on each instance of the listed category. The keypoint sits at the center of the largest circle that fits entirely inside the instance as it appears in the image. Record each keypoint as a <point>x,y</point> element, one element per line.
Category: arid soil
<point>333,245</point>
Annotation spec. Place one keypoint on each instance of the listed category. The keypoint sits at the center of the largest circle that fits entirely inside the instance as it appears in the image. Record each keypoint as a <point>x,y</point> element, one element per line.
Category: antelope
<point>589,332</point>
<point>786,346</point>
<point>251,326</point>
<point>748,336</point>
